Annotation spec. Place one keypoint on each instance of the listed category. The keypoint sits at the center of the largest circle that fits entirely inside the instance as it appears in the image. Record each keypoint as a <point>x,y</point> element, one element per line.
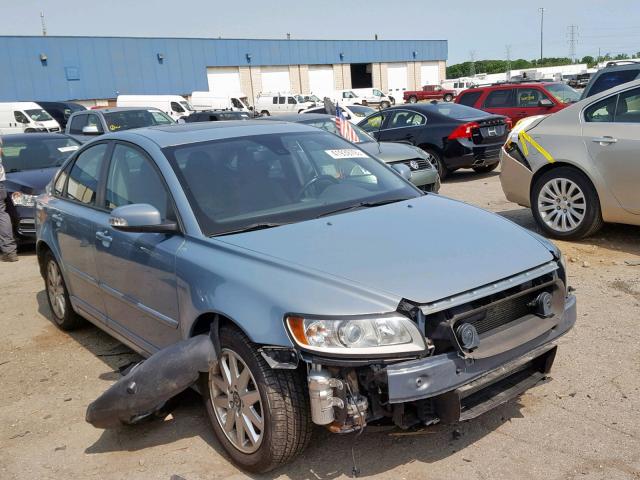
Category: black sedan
<point>30,162</point>
<point>453,136</point>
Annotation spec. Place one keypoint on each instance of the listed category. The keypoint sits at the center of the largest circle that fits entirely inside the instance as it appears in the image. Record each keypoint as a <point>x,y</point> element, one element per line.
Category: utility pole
<point>44,25</point>
<point>508,52</point>
<point>572,33</point>
<point>541,9</point>
<point>472,67</point>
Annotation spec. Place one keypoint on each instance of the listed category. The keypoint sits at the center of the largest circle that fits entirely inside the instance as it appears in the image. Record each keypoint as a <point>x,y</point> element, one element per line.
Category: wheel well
<point>203,323</point>
<point>430,146</point>
<point>41,250</point>
<point>551,166</point>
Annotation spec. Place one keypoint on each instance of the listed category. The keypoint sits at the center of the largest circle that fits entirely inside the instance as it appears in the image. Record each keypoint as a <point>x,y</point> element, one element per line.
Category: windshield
<point>299,98</point>
<point>36,153</point>
<point>236,183</point>
<point>562,92</point>
<point>128,119</point>
<point>329,124</point>
<point>187,106</point>
<point>312,98</point>
<point>361,111</point>
<point>38,115</point>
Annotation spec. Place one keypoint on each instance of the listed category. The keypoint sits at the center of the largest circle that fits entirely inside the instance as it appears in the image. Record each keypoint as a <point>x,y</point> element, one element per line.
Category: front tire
<point>413,99</point>
<point>448,97</point>
<point>260,415</point>
<point>485,168</point>
<point>62,312</point>
<point>565,204</point>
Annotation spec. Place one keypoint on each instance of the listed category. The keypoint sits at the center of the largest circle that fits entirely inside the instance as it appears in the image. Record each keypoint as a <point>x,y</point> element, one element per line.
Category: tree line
<point>498,66</point>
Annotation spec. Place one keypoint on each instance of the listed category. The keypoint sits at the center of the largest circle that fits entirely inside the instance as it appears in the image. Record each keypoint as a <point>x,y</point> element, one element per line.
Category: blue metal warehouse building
<point>97,69</point>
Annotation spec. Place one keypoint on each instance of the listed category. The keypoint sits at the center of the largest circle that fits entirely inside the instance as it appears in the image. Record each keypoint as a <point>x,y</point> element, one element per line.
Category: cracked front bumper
<point>450,377</point>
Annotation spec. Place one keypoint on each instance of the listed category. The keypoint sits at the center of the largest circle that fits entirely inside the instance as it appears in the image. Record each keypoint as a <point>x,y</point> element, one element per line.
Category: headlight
<point>365,335</point>
<point>23,200</point>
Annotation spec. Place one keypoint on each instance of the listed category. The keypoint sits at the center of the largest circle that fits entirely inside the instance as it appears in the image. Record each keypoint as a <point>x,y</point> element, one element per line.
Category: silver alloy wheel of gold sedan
<point>562,204</point>
<point>237,403</point>
<point>55,289</point>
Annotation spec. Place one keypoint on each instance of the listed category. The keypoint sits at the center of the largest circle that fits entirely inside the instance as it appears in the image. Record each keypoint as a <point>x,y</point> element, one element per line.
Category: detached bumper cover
<point>446,373</point>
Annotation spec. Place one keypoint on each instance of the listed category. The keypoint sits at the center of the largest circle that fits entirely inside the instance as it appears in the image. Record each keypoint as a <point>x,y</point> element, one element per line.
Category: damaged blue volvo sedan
<point>293,279</point>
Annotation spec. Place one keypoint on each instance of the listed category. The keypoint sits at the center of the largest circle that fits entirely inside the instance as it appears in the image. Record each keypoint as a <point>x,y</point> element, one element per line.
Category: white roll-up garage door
<point>430,74</point>
<point>397,80</point>
<point>321,81</point>
<point>275,79</point>
<point>223,80</point>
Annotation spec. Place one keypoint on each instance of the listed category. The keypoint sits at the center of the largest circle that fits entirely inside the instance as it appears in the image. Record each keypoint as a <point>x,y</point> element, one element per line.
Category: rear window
<point>469,98</point>
<point>128,119</point>
<point>459,112</point>
<point>612,79</point>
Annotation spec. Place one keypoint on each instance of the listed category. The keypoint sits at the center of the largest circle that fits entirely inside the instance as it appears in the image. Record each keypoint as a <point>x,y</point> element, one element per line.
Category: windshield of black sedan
<point>274,179</point>
<point>36,153</point>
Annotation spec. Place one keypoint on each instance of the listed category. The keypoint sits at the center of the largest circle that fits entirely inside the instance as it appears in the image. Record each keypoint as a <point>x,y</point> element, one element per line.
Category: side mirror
<point>403,170</point>
<point>91,130</point>
<point>545,102</point>
<point>140,218</point>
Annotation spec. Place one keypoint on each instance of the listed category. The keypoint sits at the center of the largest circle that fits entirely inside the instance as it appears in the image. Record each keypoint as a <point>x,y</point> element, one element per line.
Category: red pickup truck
<point>429,92</point>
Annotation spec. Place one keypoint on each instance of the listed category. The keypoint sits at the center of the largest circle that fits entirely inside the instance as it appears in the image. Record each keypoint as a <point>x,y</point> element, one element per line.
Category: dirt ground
<point>584,423</point>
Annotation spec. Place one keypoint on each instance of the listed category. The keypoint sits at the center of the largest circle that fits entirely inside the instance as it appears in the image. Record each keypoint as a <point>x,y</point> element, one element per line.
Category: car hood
<point>30,181</point>
<point>424,249</point>
<point>390,152</point>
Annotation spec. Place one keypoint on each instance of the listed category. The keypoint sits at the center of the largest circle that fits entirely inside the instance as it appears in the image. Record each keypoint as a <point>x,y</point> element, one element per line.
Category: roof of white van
<point>22,105</point>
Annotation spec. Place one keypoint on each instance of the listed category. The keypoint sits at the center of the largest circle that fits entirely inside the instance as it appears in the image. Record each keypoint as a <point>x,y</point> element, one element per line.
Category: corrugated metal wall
<point>102,67</point>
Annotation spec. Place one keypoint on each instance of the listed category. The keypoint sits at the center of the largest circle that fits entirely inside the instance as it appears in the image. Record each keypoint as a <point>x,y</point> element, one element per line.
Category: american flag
<point>344,127</point>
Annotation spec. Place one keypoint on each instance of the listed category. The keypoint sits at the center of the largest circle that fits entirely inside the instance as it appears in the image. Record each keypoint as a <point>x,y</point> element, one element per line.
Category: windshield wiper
<point>250,228</point>
<point>364,205</point>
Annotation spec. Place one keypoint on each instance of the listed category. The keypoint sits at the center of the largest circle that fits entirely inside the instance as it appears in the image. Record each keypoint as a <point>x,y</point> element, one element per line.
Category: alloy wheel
<point>562,204</point>
<point>236,402</point>
<point>55,289</point>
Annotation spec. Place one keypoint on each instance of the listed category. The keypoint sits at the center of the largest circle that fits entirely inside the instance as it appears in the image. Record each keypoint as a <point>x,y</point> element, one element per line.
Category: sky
<point>482,30</point>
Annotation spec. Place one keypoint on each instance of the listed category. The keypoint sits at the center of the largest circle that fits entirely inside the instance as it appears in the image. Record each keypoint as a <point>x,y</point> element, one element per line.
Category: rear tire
<point>62,312</point>
<point>448,97</point>
<point>385,104</point>
<point>435,159</point>
<point>280,405</point>
<point>565,204</point>
<point>485,168</point>
<point>265,113</point>
<point>413,99</point>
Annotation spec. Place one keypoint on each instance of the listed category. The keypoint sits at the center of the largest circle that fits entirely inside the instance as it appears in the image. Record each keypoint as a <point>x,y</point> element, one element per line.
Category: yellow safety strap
<point>524,138</point>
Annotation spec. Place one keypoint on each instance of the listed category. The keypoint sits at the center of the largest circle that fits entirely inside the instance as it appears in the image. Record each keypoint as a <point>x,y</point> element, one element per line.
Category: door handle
<point>606,140</point>
<point>104,237</point>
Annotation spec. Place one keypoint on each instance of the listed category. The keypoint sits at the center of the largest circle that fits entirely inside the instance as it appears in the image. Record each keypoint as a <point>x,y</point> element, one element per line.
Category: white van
<point>346,97</point>
<point>173,105</point>
<point>275,103</point>
<point>25,117</point>
<point>211,101</point>
<point>372,96</point>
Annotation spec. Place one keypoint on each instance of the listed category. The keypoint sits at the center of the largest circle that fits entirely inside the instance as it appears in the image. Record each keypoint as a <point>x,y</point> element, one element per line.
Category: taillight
<point>464,131</point>
<point>509,123</point>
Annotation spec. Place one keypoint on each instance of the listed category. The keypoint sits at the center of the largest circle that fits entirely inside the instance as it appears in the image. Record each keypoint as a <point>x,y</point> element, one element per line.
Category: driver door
<point>137,270</point>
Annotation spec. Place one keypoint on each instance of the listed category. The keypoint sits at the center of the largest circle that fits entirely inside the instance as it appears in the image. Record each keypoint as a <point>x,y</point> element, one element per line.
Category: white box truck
<point>237,102</point>
<point>25,117</point>
<point>173,105</point>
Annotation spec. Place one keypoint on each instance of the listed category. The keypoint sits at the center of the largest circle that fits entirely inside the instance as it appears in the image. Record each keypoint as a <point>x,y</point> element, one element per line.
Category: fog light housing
<point>468,336</point>
<point>543,305</point>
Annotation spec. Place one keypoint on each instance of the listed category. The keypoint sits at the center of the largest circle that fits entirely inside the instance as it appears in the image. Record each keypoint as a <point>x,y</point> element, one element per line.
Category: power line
<point>572,34</point>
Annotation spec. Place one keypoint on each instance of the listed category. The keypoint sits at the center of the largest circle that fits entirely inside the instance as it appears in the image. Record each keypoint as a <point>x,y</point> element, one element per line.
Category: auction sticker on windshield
<point>70,148</point>
<point>346,153</point>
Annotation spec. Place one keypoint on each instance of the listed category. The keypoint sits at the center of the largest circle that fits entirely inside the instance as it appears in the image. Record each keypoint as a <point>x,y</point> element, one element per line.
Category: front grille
<point>417,164</point>
<point>27,226</point>
<point>54,129</point>
<point>502,313</point>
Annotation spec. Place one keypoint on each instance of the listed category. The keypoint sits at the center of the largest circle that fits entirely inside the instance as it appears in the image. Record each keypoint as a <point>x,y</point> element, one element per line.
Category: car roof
<point>299,117</point>
<point>509,85</point>
<point>185,133</point>
<point>113,109</point>
<point>26,136</point>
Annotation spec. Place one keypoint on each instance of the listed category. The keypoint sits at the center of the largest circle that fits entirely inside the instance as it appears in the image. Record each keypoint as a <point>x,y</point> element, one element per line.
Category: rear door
<point>74,216</point>
<point>611,133</point>
<point>501,101</point>
<point>137,270</point>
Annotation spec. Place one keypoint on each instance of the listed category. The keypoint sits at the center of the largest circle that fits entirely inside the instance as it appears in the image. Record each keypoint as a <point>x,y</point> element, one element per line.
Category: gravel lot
<point>584,423</point>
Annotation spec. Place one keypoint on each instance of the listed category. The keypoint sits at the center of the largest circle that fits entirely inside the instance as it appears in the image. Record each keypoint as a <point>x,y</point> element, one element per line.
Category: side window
<point>20,117</point>
<point>628,109</point>
<point>132,179</point>
<point>469,99</point>
<point>499,99</point>
<point>602,111</point>
<point>405,118</point>
<point>372,123</point>
<point>281,100</point>
<point>275,100</point>
<point>83,177</point>
<point>176,107</point>
<point>291,100</point>
<point>77,124</point>
<point>529,97</point>
<point>61,179</point>
<point>93,120</point>
<point>612,79</point>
